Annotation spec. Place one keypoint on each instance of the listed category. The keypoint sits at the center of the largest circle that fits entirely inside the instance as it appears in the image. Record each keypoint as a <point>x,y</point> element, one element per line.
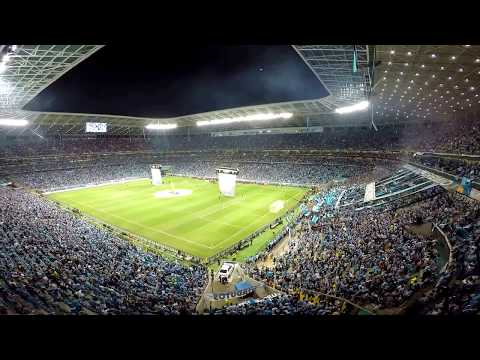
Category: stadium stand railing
<point>444,237</point>
<point>457,179</point>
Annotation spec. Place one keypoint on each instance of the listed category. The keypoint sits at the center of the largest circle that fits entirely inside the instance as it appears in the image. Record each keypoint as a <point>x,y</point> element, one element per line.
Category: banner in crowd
<point>329,199</point>
<point>466,185</point>
<point>232,294</point>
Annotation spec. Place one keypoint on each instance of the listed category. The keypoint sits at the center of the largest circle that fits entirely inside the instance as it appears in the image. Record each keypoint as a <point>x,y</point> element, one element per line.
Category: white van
<point>225,272</point>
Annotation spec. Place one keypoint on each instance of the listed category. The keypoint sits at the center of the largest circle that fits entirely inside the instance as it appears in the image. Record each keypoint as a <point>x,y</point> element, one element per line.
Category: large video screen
<point>226,183</point>
<point>96,127</point>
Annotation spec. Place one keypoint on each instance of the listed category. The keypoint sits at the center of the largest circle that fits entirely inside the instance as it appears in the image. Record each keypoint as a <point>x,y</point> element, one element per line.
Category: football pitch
<point>183,213</point>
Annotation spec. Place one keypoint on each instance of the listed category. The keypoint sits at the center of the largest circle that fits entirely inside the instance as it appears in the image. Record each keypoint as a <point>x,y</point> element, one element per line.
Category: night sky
<point>164,80</point>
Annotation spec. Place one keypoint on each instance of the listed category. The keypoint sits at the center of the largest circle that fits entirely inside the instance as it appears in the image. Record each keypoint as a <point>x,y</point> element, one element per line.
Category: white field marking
<point>254,222</point>
<point>230,203</point>
<point>216,208</point>
<point>167,194</point>
<point>112,182</point>
<point>276,206</point>
<point>95,185</point>
<point>215,221</point>
<point>145,227</point>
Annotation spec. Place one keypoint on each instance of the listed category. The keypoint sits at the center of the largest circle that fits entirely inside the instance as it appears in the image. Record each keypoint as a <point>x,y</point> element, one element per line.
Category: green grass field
<point>201,224</point>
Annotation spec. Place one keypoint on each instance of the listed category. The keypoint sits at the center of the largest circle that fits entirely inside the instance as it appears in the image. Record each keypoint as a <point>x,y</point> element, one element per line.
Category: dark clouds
<point>171,81</point>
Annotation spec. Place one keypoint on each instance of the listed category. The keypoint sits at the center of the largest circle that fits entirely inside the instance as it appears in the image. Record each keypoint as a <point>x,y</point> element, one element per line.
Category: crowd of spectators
<point>462,136</point>
<point>458,289</point>
<point>281,304</point>
<point>451,137</point>
<point>34,146</point>
<point>53,262</point>
<point>58,174</point>
<point>61,179</point>
<point>458,137</point>
<point>457,167</point>
<point>280,172</point>
<point>374,257</point>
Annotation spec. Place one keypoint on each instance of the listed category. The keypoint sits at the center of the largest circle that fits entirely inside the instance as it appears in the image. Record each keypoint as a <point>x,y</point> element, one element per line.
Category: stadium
<point>361,201</point>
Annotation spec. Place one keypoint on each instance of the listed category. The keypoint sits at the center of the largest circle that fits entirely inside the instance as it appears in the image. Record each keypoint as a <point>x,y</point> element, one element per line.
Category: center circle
<point>166,194</point>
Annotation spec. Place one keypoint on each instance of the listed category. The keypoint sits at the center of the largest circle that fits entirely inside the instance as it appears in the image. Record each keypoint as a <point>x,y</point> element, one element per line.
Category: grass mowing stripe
<point>198,224</point>
<point>246,229</point>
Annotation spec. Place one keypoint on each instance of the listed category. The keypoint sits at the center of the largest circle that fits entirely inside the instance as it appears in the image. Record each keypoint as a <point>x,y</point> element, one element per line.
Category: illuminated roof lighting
<point>357,107</point>
<point>13,122</point>
<point>255,117</point>
<point>161,126</point>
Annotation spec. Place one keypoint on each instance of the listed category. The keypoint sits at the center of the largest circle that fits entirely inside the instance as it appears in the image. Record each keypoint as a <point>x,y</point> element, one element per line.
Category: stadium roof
<point>333,66</point>
<point>410,82</point>
<point>426,81</point>
<point>31,68</point>
<point>72,123</point>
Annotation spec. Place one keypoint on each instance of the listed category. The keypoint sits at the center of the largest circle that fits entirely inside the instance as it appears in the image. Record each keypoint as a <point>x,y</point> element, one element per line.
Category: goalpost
<point>227,178</point>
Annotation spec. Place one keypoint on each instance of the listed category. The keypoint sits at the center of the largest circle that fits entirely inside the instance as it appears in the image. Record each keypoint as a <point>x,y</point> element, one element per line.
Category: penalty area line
<point>146,227</point>
<point>261,217</point>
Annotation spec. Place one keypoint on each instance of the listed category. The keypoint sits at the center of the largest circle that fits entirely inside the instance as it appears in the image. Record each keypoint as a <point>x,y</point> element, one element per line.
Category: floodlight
<point>161,126</point>
<point>255,117</point>
<point>357,107</point>
<point>13,122</point>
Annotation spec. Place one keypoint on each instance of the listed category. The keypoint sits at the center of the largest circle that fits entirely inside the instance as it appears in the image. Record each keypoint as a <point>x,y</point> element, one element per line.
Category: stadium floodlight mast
<point>3,62</point>
<point>255,117</point>
<point>161,126</point>
<point>13,122</point>
<point>363,105</point>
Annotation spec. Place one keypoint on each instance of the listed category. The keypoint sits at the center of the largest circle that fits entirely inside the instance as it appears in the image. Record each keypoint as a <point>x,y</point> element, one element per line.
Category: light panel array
<point>363,105</point>
<point>13,122</point>
<point>161,126</point>
<point>255,117</point>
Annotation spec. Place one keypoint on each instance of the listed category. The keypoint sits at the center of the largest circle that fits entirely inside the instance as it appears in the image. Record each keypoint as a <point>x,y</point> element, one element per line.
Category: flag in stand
<point>355,69</point>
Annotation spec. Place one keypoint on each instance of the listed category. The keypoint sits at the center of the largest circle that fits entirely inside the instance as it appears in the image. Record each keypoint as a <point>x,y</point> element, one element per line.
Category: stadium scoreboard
<point>94,127</point>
